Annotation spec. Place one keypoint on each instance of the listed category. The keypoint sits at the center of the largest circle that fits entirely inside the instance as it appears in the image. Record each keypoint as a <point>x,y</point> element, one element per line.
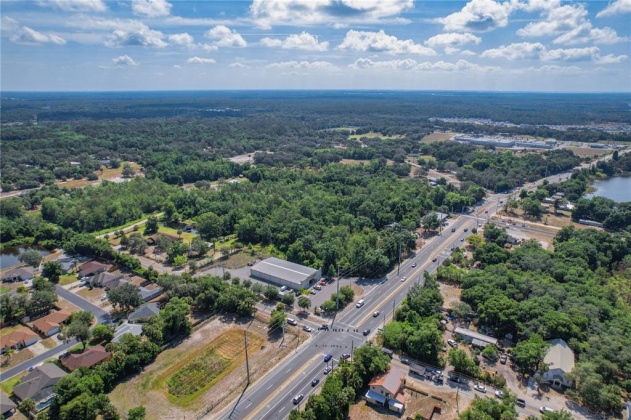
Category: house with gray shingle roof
<point>38,385</point>
<point>144,312</point>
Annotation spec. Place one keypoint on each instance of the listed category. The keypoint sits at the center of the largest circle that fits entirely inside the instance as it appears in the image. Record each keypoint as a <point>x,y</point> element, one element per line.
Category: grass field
<point>437,136</point>
<point>107,174</point>
<point>67,279</point>
<point>4,289</point>
<point>588,151</point>
<point>187,369</point>
<point>7,386</point>
<point>187,237</point>
<point>372,134</point>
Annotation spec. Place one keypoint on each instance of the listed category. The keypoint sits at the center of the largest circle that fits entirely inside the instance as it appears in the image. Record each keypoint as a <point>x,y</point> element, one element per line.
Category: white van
<point>291,321</point>
<point>360,303</point>
<point>282,289</point>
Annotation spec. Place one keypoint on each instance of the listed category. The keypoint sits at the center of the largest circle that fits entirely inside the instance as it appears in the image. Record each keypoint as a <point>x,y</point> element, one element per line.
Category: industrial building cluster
<point>507,143</point>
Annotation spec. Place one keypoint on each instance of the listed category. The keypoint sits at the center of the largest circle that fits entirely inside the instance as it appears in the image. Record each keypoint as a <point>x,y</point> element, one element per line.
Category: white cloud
<point>303,41</point>
<point>412,65</point>
<point>478,16</point>
<point>209,47</point>
<point>8,24</point>
<point>200,60</point>
<point>572,54</point>
<point>615,8</point>
<point>151,8</point>
<point>184,39</point>
<point>268,13</point>
<point>570,26</point>
<point>301,65</point>
<point>28,36</point>
<point>467,52</point>
<point>143,37</point>
<point>74,5</point>
<point>238,66</point>
<point>521,50</point>
<point>124,61</point>
<point>452,40</point>
<point>225,37</point>
<point>612,59</point>
<point>177,66</point>
<point>381,42</point>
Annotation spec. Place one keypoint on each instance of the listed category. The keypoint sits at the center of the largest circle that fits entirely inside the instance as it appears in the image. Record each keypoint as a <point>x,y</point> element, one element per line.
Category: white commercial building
<point>285,273</point>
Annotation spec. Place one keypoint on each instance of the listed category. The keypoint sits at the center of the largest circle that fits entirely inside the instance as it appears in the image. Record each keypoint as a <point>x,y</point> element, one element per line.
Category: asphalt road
<point>99,314</point>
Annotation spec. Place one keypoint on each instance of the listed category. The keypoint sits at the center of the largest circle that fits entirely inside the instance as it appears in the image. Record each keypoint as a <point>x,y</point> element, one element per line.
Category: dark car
<point>434,259</point>
<point>315,382</point>
<point>405,361</point>
<point>453,229</point>
<point>327,358</point>
<point>367,331</point>
<point>466,230</point>
<point>324,327</point>
<point>520,402</point>
<point>345,356</point>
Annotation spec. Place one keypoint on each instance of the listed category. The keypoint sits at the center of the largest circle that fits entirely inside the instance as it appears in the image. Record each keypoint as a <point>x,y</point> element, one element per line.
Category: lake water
<point>617,188</point>
<point>9,255</point>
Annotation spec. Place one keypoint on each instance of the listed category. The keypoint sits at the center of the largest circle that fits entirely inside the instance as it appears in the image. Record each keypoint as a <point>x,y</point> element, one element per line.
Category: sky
<point>479,45</point>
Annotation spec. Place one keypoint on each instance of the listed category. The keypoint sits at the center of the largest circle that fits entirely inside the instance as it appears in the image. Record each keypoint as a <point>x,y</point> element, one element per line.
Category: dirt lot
<point>64,304</point>
<point>588,151</point>
<point>18,357</point>
<point>437,136</point>
<point>450,293</point>
<point>147,388</point>
<point>93,295</point>
<point>108,174</point>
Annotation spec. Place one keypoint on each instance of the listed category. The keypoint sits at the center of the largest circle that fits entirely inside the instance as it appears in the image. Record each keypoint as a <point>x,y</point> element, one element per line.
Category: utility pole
<point>337,295</point>
<point>399,266</point>
<point>393,300</point>
<point>352,349</point>
<point>247,361</point>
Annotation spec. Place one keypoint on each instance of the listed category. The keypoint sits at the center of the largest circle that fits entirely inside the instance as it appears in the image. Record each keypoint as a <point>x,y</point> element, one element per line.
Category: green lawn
<point>7,386</point>
<point>187,237</point>
<point>4,289</point>
<point>67,279</point>
<point>374,135</point>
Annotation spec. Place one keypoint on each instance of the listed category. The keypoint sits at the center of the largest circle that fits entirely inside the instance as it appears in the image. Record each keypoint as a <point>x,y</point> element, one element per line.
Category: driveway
<point>99,314</point>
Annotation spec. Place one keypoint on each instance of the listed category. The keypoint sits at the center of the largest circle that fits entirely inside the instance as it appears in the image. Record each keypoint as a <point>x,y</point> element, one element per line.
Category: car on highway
<point>307,328</point>
<point>434,259</point>
<point>403,279</point>
<point>291,321</point>
<point>366,331</point>
<point>315,381</point>
<point>327,358</point>
<point>327,370</point>
<point>313,292</point>
<point>453,229</point>
<point>324,327</point>
<point>376,314</point>
<point>499,393</point>
<point>545,409</point>
<point>452,343</point>
<point>520,402</point>
<point>413,265</point>
<point>466,229</point>
<point>479,388</point>
<point>345,356</point>
<point>405,361</point>
<point>298,398</point>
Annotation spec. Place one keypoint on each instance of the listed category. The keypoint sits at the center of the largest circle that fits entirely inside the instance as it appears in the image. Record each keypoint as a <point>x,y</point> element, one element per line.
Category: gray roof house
<point>560,361</point>
<point>19,274</point>
<point>38,384</point>
<point>108,280</point>
<point>148,294</point>
<point>475,338</point>
<point>126,328</point>
<point>144,312</point>
<point>7,407</point>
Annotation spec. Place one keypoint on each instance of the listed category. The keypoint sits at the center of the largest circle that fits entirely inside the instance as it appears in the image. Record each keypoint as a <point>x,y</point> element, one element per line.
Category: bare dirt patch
<point>64,304</point>
<point>238,260</point>
<point>354,162</point>
<point>16,358</point>
<point>450,293</point>
<point>437,136</point>
<point>94,295</point>
<point>587,151</point>
<point>227,337</point>
<point>107,174</point>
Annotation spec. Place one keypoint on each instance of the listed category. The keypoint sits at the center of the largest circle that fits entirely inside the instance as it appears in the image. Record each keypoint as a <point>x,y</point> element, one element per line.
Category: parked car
<point>466,229</point>
<point>313,292</point>
<point>317,287</point>
<point>545,409</point>
<point>413,265</point>
<point>103,298</point>
<point>434,259</point>
<point>366,331</point>
<point>499,394</point>
<point>452,343</point>
<point>327,358</point>
<point>307,328</point>
<point>327,370</point>
<point>324,327</point>
<point>375,314</point>
<point>405,361</point>
<point>291,321</point>
<point>453,229</point>
<point>520,402</point>
<point>479,388</point>
<point>298,398</point>
<point>315,382</point>
<point>503,359</point>
<point>345,356</point>
<point>403,279</point>
<point>439,379</point>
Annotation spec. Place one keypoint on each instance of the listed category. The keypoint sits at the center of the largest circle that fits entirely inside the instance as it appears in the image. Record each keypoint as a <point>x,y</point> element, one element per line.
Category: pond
<point>617,188</point>
<point>9,255</point>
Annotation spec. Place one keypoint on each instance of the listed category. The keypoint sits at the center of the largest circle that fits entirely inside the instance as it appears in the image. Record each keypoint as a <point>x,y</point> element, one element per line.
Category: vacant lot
<point>588,151</point>
<point>107,174</point>
<point>203,388</point>
<point>437,136</point>
<point>374,135</point>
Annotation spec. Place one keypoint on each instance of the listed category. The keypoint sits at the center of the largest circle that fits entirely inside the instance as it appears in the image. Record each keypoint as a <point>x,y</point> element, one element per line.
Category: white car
<point>403,279</point>
<point>499,394</point>
<point>545,409</point>
<point>452,343</point>
<point>307,328</point>
<point>327,370</point>
<point>479,388</point>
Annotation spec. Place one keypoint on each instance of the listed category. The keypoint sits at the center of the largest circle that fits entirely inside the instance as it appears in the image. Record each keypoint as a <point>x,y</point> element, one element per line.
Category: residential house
<point>126,328</point>
<point>51,323</point>
<point>17,339</point>
<point>91,268</point>
<point>38,385</point>
<point>7,407</point>
<point>387,389</point>
<point>475,338</point>
<point>18,274</point>
<point>108,280</point>
<point>89,358</point>
<point>148,294</point>
<point>152,240</point>
<point>144,312</point>
<point>560,361</point>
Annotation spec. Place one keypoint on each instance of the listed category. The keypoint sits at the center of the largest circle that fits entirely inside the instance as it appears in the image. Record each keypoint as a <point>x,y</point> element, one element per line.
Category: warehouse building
<point>285,273</point>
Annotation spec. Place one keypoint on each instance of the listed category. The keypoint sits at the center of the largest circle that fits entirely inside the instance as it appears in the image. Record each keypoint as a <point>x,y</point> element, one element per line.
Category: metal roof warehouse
<point>285,273</point>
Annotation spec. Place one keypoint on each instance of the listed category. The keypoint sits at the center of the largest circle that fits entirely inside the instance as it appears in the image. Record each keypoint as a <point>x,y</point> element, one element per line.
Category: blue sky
<point>513,45</point>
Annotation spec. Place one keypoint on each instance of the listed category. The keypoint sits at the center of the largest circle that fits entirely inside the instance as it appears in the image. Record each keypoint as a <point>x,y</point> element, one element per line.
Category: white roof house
<point>560,361</point>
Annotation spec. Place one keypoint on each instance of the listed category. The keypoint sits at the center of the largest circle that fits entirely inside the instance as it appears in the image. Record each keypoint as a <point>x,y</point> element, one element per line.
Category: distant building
<point>108,280</point>
<point>590,223</point>
<point>51,323</point>
<point>475,338</point>
<point>285,273</point>
<point>126,328</point>
<point>487,141</point>
<point>91,268</point>
<point>387,389</point>
<point>560,361</point>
